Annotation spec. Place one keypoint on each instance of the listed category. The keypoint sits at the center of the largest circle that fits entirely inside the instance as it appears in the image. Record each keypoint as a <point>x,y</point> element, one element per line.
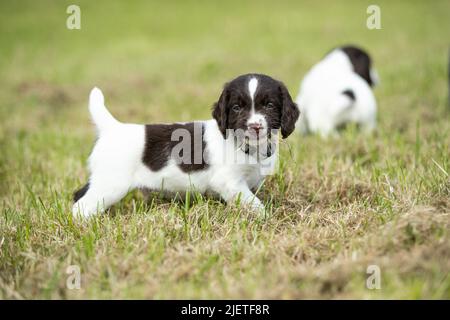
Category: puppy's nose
<point>255,126</point>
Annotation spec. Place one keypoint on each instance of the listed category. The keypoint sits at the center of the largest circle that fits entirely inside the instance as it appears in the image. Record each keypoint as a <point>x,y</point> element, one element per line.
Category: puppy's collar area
<point>251,150</point>
<point>261,151</point>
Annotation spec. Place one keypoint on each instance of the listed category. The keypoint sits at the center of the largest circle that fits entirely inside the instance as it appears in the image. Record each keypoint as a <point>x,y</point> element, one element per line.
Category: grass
<point>338,205</point>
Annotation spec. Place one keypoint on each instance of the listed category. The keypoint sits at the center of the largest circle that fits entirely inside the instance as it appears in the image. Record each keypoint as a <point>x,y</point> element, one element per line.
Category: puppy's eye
<point>269,105</point>
<point>236,108</point>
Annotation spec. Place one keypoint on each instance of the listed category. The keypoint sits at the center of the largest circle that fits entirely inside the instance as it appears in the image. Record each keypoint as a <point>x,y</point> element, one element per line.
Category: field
<point>338,206</point>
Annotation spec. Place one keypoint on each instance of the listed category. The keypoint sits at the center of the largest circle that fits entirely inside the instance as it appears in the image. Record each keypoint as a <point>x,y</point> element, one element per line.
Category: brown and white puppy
<point>226,155</point>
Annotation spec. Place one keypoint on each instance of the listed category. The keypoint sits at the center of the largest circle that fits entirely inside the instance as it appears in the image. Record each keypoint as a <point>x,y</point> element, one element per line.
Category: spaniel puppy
<point>225,156</point>
<point>337,91</point>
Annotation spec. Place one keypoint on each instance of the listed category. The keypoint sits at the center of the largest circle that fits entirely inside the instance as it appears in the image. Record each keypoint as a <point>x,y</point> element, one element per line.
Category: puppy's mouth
<point>256,133</point>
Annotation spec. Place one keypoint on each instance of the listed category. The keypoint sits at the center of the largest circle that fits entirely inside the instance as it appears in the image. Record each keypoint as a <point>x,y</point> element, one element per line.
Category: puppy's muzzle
<point>254,129</point>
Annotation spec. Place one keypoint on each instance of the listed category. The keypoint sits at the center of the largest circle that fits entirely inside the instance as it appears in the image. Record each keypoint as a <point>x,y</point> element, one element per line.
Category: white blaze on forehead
<point>255,117</point>
<point>252,85</point>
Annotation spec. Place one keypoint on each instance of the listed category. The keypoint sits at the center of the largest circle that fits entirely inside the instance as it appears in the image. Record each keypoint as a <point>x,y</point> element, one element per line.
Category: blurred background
<point>160,61</point>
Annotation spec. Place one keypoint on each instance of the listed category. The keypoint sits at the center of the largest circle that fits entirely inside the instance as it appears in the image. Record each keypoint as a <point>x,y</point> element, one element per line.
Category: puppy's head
<point>255,104</point>
<point>362,63</point>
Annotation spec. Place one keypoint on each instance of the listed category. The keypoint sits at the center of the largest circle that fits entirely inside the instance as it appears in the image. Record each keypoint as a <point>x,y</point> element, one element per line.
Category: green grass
<point>338,205</point>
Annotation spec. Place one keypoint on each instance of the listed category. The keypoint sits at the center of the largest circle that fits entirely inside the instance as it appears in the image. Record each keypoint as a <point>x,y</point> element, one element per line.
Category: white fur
<point>252,85</point>
<point>116,166</point>
<point>323,106</point>
<point>255,118</point>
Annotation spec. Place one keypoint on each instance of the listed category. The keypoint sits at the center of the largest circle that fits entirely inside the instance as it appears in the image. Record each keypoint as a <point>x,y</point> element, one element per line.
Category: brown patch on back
<point>159,146</point>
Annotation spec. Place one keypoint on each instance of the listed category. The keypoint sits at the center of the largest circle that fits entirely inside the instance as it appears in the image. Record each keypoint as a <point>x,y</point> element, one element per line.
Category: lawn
<point>338,206</point>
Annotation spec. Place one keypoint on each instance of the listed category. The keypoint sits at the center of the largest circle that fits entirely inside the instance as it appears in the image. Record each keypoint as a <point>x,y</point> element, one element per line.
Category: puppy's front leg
<point>230,192</point>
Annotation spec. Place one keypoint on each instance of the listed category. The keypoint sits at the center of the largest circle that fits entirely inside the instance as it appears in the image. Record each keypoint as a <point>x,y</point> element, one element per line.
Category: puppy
<point>337,91</point>
<point>223,156</point>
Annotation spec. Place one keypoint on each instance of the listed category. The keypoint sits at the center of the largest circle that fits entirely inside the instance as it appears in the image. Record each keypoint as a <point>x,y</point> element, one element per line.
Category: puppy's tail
<point>100,115</point>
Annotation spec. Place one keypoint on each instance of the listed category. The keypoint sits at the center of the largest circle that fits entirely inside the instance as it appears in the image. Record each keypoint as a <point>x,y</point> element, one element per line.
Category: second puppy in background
<point>338,91</point>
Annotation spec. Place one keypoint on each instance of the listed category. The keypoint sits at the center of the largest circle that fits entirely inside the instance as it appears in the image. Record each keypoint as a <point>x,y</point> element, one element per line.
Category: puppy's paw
<point>259,209</point>
<point>256,205</point>
<point>80,211</point>
<point>263,213</point>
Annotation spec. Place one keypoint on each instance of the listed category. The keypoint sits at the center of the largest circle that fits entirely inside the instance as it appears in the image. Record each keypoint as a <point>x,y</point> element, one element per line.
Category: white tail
<point>100,115</point>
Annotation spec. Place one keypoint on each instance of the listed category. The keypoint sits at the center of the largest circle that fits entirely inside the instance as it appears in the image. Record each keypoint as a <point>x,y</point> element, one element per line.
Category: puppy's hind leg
<point>77,195</point>
<point>112,162</point>
<point>111,179</point>
<point>98,196</point>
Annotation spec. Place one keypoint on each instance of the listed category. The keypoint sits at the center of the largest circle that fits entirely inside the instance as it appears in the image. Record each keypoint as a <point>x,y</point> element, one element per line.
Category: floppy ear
<point>220,111</point>
<point>289,112</point>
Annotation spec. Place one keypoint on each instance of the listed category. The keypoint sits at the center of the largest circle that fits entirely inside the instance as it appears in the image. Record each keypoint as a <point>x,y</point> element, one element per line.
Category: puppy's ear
<point>289,112</point>
<point>220,111</point>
